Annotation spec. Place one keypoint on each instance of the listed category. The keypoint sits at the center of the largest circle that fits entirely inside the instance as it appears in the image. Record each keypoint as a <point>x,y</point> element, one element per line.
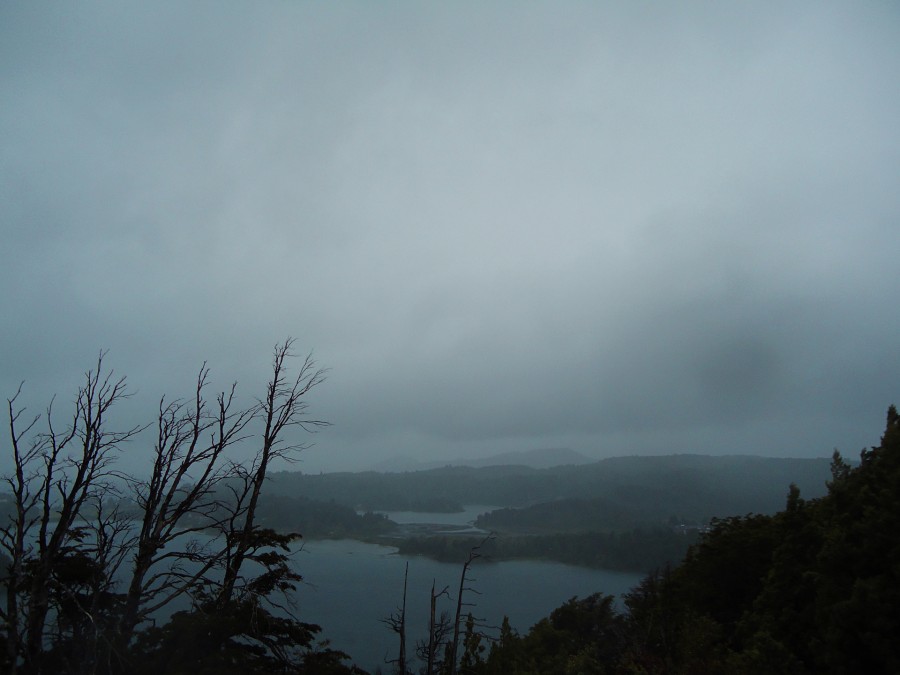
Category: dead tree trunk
<point>454,644</point>
<point>401,665</point>
<point>396,621</point>
<point>283,407</point>
<point>437,634</point>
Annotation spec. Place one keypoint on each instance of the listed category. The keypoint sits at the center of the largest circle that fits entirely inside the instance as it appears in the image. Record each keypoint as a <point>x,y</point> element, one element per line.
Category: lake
<point>349,586</point>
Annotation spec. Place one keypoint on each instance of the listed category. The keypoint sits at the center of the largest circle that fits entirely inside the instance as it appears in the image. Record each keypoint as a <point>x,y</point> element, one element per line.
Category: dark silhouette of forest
<point>814,588</point>
<point>638,550</point>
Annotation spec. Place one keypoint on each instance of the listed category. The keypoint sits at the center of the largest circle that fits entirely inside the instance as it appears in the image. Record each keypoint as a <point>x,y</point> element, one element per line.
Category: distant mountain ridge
<point>539,458</point>
<point>649,489</point>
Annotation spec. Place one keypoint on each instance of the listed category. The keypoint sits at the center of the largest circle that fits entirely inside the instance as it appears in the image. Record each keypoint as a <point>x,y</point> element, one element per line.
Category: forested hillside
<point>814,588</point>
<point>695,487</point>
<point>629,513</point>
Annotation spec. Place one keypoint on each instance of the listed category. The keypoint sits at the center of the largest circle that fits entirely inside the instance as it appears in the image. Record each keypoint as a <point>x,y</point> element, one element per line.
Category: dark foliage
<point>814,588</point>
<point>242,637</point>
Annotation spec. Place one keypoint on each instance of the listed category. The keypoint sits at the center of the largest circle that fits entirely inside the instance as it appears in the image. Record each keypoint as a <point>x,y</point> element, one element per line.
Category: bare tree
<point>57,475</point>
<point>179,500</point>
<point>396,621</point>
<point>73,529</point>
<point>283,407</point>
<point>474,555</point>
<point>438,630</point>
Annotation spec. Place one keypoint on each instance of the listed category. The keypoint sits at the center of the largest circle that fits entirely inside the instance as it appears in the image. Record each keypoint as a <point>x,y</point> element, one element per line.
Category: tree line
<point>639,550</point>
<point>618,492</point>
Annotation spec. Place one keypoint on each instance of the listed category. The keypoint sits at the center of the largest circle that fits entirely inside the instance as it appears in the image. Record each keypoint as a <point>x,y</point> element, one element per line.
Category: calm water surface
<point>350,586</point>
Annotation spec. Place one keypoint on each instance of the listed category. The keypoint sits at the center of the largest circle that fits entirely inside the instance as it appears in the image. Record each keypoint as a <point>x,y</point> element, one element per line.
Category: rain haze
<point>620,228</point>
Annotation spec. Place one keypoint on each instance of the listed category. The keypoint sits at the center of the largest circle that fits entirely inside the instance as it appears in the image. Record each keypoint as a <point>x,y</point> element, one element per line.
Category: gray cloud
<point>622,228</point>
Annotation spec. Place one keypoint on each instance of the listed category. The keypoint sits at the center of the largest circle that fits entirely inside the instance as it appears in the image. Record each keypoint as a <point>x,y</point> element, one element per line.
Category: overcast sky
<point>617,227</point>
